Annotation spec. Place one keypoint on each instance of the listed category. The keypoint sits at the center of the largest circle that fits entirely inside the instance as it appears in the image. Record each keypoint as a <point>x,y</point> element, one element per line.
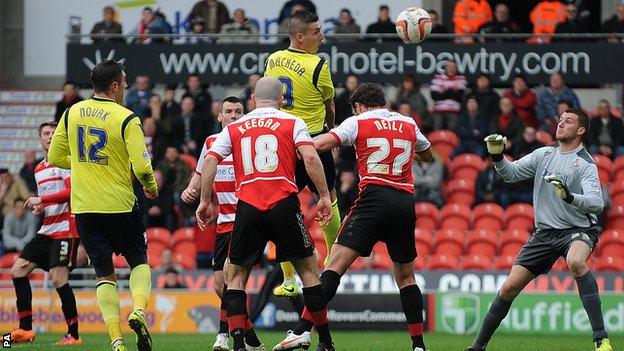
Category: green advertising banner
<point>462,313</point>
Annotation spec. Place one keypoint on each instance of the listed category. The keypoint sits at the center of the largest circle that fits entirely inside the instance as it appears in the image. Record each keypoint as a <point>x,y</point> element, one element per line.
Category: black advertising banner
<point>580,63</point>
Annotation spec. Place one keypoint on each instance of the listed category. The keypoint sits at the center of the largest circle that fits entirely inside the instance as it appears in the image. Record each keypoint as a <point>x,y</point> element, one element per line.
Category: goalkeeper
<point>566,197</point>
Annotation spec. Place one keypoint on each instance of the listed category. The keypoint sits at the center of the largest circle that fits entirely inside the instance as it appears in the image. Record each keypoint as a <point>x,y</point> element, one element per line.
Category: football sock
<point>588,291</point>
<point>23,292</point>
<point>330,231</point>
<point>314,297</point>
<point>497,312</point>
<point>289,272</point>
<point>237,316</point>
<point>412,303</point>
<point>140,286</point>
<point>250,334</point>
<point>68,304</point>
<point>330,281</point>
<point>108,301</point>
<point>223,324</point>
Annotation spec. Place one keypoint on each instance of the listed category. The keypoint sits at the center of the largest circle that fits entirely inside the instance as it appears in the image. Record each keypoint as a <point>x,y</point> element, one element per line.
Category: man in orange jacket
<point>468,16</point>
<point>545,17</point>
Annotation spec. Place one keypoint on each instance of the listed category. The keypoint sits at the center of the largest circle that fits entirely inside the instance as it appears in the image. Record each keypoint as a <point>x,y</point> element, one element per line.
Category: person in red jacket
<point>523,100</point>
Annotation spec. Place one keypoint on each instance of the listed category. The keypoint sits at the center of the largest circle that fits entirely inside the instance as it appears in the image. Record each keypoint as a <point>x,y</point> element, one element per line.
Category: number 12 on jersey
<point>265,159</point>
<point>377,162</point>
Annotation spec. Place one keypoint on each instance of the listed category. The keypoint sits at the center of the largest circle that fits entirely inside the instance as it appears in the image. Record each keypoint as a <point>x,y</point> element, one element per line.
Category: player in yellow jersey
<point>102,141</point>
<point>308,94</point>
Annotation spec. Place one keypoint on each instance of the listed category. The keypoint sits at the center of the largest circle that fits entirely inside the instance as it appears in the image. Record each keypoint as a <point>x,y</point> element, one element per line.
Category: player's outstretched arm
<point>205,212</point>
<point>511,172</point>
<point>192,190</point>
<point>139,157</point>
<point>59,152</point>
<point>590,200</point>
<point>315,170</point>
<point>325,142</point>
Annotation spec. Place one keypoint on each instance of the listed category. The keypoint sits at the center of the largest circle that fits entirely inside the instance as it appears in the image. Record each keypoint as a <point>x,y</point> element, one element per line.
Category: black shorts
<point>282,224</point>
<point>381,214</point>
<point>545,247</point>
<point>329,167</point>
<point>222,246</point>
<point>48,253</point>
<point>103,234</point>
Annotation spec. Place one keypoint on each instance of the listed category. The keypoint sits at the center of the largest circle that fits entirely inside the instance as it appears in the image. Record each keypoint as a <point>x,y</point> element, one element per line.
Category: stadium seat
<point>190,161</point>
<point>186,234</point>
<point>560,265</point>
<point>605,168</point>
<point>489,216</point>
<point>444,142</point>
<point>449,242</point>
<point>456,216</point>
<point>544,137</point>
<point>157,234</point>
<point>186,248</point>
<point>427,215</point>
<point>466,166</point>
<point>617,192</point>
<point>519,216</point>
<point>610,264</point>
<point>120,262</point>
<point>618,168</point>
<point>511,241</point>
<point>381,262</point>
<point>443,262</point>
<point>460,191</point>
<point>476,262</point>
<point>424,239</point>
<point>420,263</point>
<point>9,259</point>
<point>358,264</point>
<point>185,261</point>
<point>504,262</point>
<point>154,251</point>
<point>611,243</point>
<point>615,217</point>
<point>482,242</point>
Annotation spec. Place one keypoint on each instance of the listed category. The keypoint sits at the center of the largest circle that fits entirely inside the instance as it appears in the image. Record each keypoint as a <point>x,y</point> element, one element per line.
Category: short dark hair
<point>566,102</point>
<point>18,199</point>
<point>46,124</point>
<point>4,170</point>
<point>384,7</point>
<point>147,8</point>
<point>171,270</point>
<point>299,19</point>
<point>432,11</point>
<point>368,94</point>
<point>193,75</point>
<point>69,82</point>
<point>234,100</point>
<point>171,86</point>
<point>104,74</point>
<point>109,8</point>
<point>582,117</point>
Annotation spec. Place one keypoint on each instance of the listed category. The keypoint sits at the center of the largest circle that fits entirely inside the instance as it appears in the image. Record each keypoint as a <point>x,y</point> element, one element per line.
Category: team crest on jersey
<point>53,172</point>
<point>575,164</point>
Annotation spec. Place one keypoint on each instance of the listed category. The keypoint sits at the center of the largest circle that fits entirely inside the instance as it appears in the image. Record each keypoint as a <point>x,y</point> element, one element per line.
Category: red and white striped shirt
<point>54,188</point>
<point>224,188</point>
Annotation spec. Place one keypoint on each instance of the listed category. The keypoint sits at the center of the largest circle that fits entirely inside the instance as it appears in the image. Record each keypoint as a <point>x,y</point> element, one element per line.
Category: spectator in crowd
<point>166,261</point>
<point>155,108</point>
<point>151,23</point>
<point>20,226</point>
<point>490,187</point>
<point>562,106</point>
<point>573,23</point>
<point>548,99</point>
<point>240,26</point>
<point>606,132</point>
<point>527,144</point>
<point>486,96</point>
<point>508,123</point>
<point>154,141</point>
<point>175,171</point>
<point>410,91</point>
<point>27,173</point>
<point>139,95</point>
<point>160,210</point>
<point>545,16</point>
<point>171,107</point>
<point>468,16</point>
<point>11,188</point>
<point>501,24</point>
<point>346,25</point>
<point>70,97</point>
<point>283,26</point>
<point>286,10</point>
<point>198,27</point>
<point>249,89</point>
<point>436,26</point>
<point>347,190</point>
<point>615,24</point>
<point>524,101</point>
<point>191,129</point>
<point>107,26</point>
<point>201,97</point>
<point>343,108</point>
<point>472,127</point>
<point>172,279</point>
<point>384,24</point>
<point>214,12</point>
<point>447,91</point>
<point>428,178</point>
<point>405,108</point>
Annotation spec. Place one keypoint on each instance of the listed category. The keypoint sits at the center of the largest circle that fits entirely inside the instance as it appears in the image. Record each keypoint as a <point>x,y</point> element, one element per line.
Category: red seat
<point>482,242</point>
<point>519,216</point>
<point>358,264</point>
<point>560,265</point>
<point>449,242</point>
<point>466,166</point>
<point>120,262</point>
<point>420,263</point>
<point>610,264</point>
<point>186,248</point>
<point>185,261</point>
<point>9,259</point>
<point>511,241</point>
<point>154,251</point>
<point>489,216</point>
<point>190,161</point>
<point>477,263</point>
<point>157,234</point>
<point>611,243</point>
<point>456,216</point>
<point>618,168</point>
<point>544,137</point>
<point>424,240</point>
<point>183,235</point>
<point>443,262</point>
<point>605,168</point>
<point>615,217</point>
<point>443,141</point>
<point>460,191</point>
<point>504,262</point>
<point>617,191</point>
<point>382,262</point>
<point>427,215</point>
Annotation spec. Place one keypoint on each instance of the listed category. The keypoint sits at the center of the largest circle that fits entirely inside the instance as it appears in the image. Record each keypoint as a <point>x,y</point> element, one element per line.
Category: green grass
<point>345,341</point>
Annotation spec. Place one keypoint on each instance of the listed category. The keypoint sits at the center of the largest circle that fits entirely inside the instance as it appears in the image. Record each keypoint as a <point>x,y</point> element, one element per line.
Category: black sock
<point>24,302</point>
<point>223,324</point>
<point>330,281</point>
<point>314,297</point>
<point>237,315</point>
<point>588,291</point>
<point>497,312</point>
<point>412,303</point>
<point>304,325</point>
<point>68,304</point>
<point>250,334</point>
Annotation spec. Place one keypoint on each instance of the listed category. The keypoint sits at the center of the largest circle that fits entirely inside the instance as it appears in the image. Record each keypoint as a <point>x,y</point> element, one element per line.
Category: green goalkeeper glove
<point>560,188</point>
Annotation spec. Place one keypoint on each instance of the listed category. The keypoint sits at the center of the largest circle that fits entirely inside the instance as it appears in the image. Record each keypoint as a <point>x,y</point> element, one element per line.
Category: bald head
<point>268,92</point>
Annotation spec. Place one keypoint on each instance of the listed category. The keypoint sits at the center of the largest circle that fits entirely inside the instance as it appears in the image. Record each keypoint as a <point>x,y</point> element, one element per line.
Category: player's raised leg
<point>60,276</point>
<point>19,272</point>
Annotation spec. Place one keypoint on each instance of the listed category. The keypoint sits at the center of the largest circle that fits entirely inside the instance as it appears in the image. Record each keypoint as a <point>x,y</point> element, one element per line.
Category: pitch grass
<point>345,341</point>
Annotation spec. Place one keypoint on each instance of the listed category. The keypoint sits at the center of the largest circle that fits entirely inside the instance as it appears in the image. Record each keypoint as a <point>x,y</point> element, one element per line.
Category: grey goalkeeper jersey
<point>579,173</point>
